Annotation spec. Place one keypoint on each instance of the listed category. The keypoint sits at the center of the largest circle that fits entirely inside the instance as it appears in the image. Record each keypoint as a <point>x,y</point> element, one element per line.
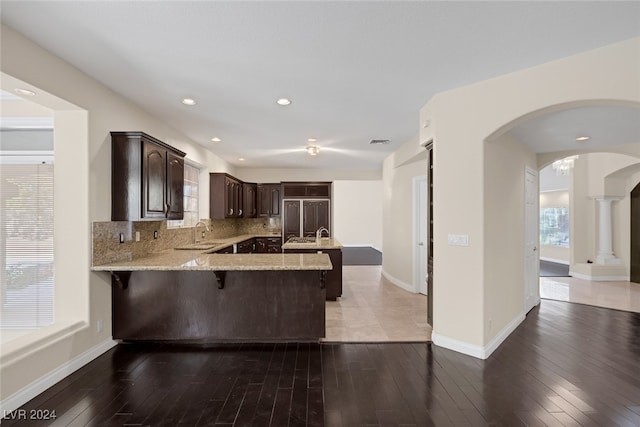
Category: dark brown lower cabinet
<point>251,306</point>
<point>334,277</point>
<point>246,247</point>
<point>271,245</point>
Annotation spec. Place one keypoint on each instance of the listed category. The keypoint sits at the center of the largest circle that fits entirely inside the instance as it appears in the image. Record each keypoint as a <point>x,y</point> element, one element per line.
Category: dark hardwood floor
<point>567,364</point>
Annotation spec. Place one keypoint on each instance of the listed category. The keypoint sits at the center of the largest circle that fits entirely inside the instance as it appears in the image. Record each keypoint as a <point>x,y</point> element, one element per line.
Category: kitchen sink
<point>202,246</point>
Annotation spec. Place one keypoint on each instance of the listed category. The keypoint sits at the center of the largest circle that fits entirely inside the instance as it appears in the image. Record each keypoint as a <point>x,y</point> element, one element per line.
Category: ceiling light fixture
<point>189,101</point>
<point>215,139</point>
<point>583,138</point>
<point>564,166</point>
<point>313,150</point>
<point>241,159</point>
<point>312,140</point>
<point>25,92</point>
<point>283,101</point>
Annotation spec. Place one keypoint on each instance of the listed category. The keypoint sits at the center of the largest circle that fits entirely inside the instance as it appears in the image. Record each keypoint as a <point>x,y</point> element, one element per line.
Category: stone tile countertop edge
<point>180,260</point>
<point>324,243</point>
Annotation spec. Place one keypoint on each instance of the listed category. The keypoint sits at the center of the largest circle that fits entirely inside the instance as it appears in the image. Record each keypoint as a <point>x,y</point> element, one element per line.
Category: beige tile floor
<point>618,295</point>
<point>371,309</point>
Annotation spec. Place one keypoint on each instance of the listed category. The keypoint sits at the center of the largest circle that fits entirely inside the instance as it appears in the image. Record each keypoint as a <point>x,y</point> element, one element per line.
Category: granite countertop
<point>324,243</point>
<point>180,260</point>
<point>215,244</point>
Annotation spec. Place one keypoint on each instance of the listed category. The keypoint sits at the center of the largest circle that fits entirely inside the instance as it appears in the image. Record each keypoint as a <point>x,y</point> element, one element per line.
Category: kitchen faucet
<point>195,230</point>
<point>319,233</point>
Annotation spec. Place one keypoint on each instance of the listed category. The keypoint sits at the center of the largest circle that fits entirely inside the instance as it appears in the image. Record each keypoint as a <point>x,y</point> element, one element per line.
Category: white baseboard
<point>399,283</point>
<point>481,352</point>
<point>27,393</point>
<point>599,278</point>
<point>557,261</point>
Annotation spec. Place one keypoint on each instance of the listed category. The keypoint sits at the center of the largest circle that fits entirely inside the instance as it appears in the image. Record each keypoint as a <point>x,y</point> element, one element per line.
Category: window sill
<point>32,342</point>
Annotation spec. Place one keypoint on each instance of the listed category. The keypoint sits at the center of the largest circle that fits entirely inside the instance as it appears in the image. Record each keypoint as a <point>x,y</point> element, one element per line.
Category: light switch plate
<point>458,240</point>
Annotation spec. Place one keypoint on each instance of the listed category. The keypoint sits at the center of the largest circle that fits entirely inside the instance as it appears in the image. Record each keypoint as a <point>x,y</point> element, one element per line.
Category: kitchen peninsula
<point>187,295</point>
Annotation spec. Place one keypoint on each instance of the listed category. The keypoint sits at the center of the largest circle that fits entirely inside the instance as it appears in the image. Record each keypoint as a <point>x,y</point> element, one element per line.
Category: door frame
<point>534,222</point>
<point>634,231</point>
<point>420,263</point>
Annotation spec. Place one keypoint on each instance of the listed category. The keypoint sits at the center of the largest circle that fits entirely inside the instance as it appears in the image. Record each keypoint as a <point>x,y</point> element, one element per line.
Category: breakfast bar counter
<point>194,297</point>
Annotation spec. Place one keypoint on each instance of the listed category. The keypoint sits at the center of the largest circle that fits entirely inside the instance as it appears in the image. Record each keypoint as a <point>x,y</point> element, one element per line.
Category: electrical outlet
<point>99,326</point>
<point>121,237</point>
<point>155,234</point>
<point>137,236</point>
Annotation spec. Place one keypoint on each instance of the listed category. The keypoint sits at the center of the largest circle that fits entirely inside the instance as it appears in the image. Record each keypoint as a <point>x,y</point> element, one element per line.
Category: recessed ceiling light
<point>189,101</point>
<point>241,159</point>
<point>583,138</point>
<point>25,92</point>
<point>313,150</point>
<point>283,101</point>
<point>312,140</point>
<point>215,139</point>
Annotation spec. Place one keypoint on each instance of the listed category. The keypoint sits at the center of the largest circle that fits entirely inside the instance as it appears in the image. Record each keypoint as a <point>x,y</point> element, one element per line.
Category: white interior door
<point>420,230</point>
<point>532,237</point>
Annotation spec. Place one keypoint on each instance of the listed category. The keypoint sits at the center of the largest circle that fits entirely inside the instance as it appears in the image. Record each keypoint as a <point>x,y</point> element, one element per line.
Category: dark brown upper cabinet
<point>269,200</point>
<point>250,195</point>
<point>147,178</point>
<point>225,196</point>
<point>301,190</point>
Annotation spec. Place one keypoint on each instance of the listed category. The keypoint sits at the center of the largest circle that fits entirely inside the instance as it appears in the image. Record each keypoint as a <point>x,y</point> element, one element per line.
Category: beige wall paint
<point>90,157</point>
<point>357,213</point>
<point>463,119</point>
<point>504,226</point>
<point>596,175</point>
<point>398,171</point>
<point>277,175</point>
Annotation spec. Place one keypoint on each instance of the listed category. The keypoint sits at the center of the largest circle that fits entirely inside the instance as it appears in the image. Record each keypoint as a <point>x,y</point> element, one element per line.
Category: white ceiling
<point>355,71</point>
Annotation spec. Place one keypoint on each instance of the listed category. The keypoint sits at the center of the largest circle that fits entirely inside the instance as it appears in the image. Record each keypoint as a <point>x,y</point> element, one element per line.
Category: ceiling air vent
<point>379,141</point>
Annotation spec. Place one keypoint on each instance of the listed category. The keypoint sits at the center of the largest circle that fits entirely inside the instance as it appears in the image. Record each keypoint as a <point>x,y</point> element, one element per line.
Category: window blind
<point>26,245</point>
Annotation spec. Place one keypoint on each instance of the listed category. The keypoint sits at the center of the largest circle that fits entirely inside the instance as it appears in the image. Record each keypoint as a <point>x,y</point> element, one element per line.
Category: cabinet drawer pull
<point>240,212</point>
<point>230,211</point>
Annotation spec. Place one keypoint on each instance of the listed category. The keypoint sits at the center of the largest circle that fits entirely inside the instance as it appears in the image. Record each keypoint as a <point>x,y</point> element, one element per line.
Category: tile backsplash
<point>106,236</point>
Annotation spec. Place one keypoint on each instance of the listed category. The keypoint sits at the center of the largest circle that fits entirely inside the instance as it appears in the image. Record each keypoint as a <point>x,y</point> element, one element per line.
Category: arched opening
<point>635,235</point>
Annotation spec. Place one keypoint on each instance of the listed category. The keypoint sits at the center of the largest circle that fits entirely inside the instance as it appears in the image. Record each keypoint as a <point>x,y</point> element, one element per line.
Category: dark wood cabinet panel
<point>253,306</point>
<point>291,219</point>
<point>147,178</point>
<point>268,200</point>
<point>246,247</point>
<point>334,277</point>
<point>225,196</point>
<point>315,215</point>
<point>249,192</point>
<point>268,245</point>
<point>306,190</point>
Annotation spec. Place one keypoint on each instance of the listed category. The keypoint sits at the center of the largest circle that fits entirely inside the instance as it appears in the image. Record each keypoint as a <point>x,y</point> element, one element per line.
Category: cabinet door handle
<point>240,212</point>
<point>231,211</point>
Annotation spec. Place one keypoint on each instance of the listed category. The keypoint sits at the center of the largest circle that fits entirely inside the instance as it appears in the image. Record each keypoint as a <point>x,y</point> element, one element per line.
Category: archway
<point>635,234</point>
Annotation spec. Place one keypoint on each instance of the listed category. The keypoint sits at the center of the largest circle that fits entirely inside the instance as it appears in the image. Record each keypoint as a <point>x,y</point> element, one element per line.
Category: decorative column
<point>605,240</point>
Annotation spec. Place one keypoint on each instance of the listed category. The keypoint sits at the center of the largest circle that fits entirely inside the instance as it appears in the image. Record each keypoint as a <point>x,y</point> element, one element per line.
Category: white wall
<point>595,175</point>
<point>83,172</point>
<point>398,171</point>
<point>357,213</point>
